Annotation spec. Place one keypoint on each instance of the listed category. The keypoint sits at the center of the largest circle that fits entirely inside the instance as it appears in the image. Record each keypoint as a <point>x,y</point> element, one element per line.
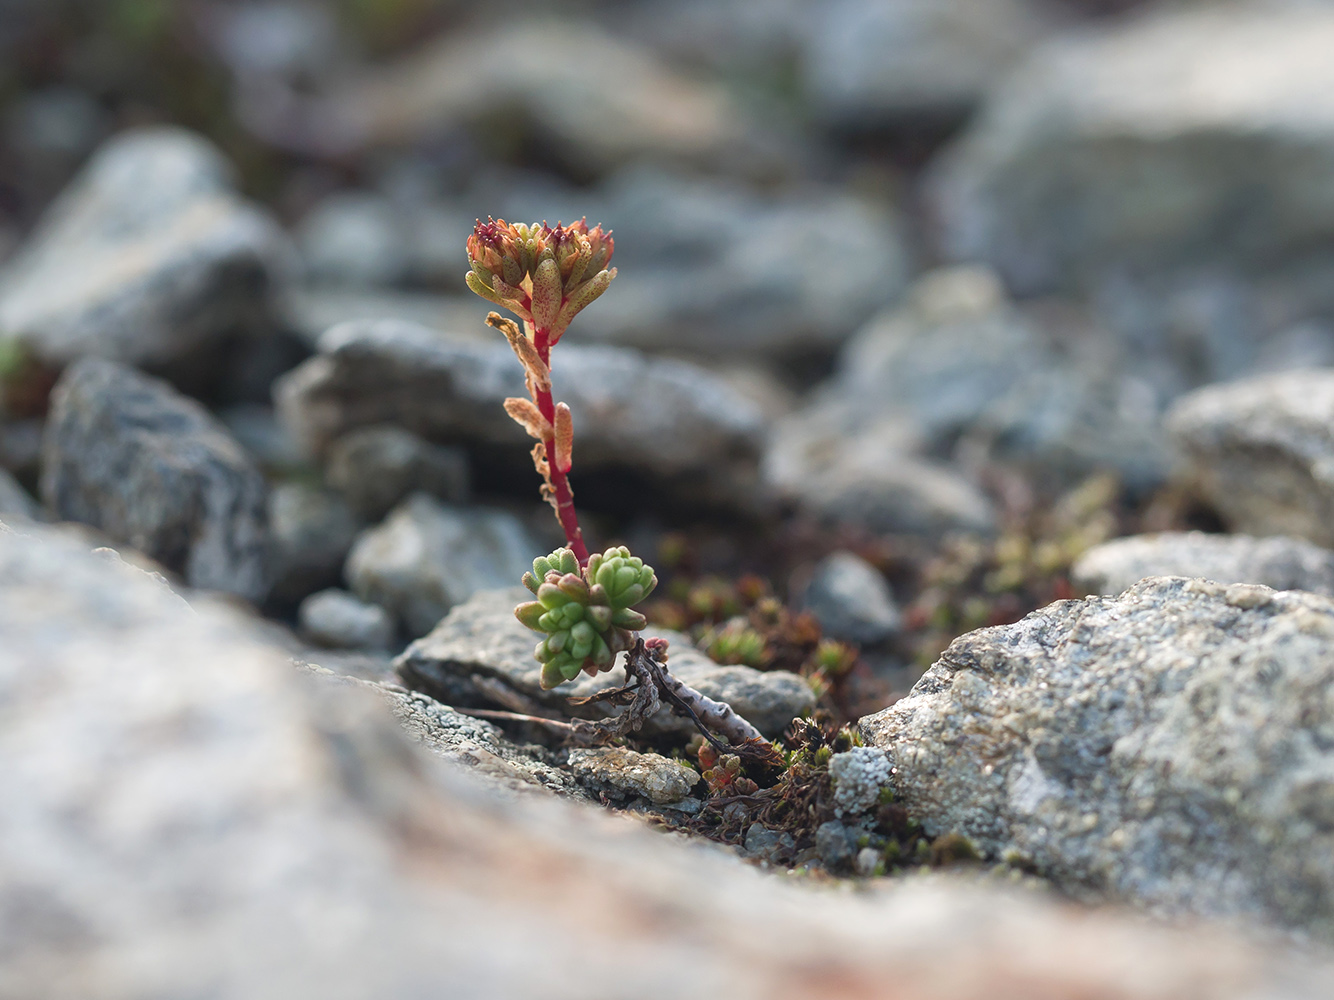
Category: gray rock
<point>635,108</point>
<point>178,796</point>
<point>1282,563</point>
<point>480,644</point>
<point>851,600</point>
<point>312,311</point>
<point>257,430</point>
<point>129,455</point>
<point>1168,747</point>
<point>836,844</point>
<point>1178,140</point>
<point>958,368</point>
<point>376,467</point>
<point>858,778</point>
<point>15,503</point>
<point>472,743</point>
<point>311,531</point>
<point>339,620</point>
<point>870,480</point>
<point>427,557</point>
<point>621,772</point>
<point>21,446</point>
<point>870,65</point>
<point>148,258</point>
<point>763,844</point>
<point>353,239</point>
<point>712,268</point>
<point>1261,450</point>
<point>661,417</point>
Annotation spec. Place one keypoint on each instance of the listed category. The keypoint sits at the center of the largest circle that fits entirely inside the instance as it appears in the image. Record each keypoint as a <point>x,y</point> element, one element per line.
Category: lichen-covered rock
<point>428,556</point>
<point>1261,450</point>
<point>851,600</point>
<point>129,455</point>
<point>858,777</point>
<point>1173,747</point>
<point>622,772</point>
<point>1282,563</point>
<point>480,643</point>
<point>670,420</point>
<point>149,258</point>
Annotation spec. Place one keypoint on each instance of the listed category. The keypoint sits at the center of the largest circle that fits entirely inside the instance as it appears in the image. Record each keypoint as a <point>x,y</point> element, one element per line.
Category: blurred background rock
<point>901,268</point>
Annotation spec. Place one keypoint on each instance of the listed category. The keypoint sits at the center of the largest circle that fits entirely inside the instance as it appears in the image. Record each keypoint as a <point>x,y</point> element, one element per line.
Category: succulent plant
<point>587,613</point>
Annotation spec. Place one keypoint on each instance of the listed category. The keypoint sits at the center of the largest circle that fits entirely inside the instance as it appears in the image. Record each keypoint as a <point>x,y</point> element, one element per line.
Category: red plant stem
<point>565,512</point>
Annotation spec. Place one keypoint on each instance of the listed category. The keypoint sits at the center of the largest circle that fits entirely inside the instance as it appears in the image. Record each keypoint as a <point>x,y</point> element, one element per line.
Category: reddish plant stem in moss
<point>564,496</point>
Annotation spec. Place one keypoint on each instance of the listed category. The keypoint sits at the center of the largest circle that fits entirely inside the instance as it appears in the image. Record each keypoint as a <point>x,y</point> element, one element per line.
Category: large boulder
<point>1172,747</point>
<point>149,258</point>
<point>668,420</point>
<point>186,812</point>
<point>129,455</point>
<point>1261,451</point>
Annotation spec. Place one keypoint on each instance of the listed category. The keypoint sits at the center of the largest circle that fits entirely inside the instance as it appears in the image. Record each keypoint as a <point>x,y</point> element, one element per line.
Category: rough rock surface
<point>1183,138</point>
<point>129,455</point>
<point>184,812</point>
<point>858,777</point>
<point>621,772</point>
<point>376,467</point>
<point>339,620</point>
<point>480,644</point>
<point>851,600</point>
<point>461,739</point>
<point>1173,747</point>
<point>1261,450</point>
<point>428,556</point>
<point>662,418</point>
<point>311,531</point>
<point>1282,563</point>
<point>148,257</point>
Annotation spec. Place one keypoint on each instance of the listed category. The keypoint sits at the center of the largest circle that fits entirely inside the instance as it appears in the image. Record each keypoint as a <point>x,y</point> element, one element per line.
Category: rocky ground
<point>932,319</point>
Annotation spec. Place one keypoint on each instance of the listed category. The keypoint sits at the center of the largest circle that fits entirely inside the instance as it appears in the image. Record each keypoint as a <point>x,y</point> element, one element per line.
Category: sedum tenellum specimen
<point>585,605</point>
<point>544,276</point>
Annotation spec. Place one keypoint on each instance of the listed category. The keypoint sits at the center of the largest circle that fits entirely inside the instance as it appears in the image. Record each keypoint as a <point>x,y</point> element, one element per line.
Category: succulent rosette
<point>544,275</point>
<point>587,614</point>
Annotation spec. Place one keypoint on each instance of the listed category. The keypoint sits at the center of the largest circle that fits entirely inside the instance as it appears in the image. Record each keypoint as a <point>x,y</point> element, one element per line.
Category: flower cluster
<point>543,275</point>
<point>586,614</point>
